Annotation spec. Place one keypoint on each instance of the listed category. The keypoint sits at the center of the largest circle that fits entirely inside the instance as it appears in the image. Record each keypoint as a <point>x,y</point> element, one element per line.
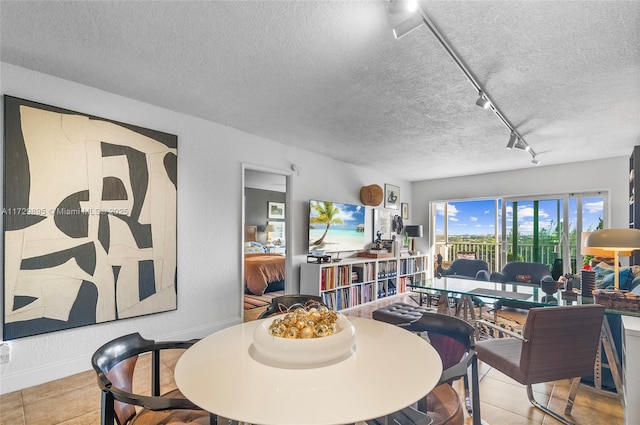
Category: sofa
<point>464,268</point>
<point>521,273</point>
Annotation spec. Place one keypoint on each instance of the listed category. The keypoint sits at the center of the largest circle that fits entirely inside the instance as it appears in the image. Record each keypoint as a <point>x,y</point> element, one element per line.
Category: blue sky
<point>478,217</point>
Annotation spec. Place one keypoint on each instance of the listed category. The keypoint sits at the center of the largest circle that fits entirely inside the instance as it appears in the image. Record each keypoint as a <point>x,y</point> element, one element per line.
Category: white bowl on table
<point>303,353</point>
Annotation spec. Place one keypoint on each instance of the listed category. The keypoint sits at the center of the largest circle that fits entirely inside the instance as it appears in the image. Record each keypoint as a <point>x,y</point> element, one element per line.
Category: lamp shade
<point>270,228</point>
<point>414,231</point>
<point>614,239</point>
<point>587,250</point>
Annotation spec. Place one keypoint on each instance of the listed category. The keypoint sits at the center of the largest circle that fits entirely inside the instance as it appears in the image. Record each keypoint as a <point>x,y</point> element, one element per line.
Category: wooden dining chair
<point>453,339</point>
<point>282,303</point>
<point>556,343</point>
<point>115,364</point>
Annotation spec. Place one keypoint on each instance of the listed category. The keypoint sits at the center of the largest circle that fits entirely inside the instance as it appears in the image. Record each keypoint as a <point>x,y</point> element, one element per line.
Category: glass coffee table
<point>469,293</point>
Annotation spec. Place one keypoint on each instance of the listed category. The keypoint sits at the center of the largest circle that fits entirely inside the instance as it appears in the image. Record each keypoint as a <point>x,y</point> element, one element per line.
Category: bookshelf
<point>356,281</point>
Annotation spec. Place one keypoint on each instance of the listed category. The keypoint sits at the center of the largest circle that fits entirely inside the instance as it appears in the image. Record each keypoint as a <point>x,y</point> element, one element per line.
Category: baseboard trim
<point>45,373</point>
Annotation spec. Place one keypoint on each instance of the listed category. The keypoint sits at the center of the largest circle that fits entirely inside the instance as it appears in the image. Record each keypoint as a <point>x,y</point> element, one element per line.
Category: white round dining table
<point>389,369</point>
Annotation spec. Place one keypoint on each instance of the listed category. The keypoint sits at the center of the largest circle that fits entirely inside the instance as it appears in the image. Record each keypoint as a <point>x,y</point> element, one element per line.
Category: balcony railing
<point>487,252</point>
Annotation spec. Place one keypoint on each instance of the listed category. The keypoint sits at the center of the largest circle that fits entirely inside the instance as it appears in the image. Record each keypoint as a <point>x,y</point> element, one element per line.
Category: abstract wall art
<point>89,218</point>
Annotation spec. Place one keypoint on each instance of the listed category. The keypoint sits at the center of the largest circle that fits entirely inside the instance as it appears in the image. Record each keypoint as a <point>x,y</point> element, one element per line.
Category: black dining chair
<point>454,340</point>
<point>283,303</point>
<point>115,364</point>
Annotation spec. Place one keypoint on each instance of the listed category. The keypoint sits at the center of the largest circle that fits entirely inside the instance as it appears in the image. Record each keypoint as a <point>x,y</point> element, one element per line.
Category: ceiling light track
<point>484,101</point>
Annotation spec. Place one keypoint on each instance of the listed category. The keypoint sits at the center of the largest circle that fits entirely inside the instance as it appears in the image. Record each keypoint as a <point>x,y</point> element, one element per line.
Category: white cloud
<point>594,207</point>
<point>526,212</point>
<point>452,211</point>
<point>473,218</point>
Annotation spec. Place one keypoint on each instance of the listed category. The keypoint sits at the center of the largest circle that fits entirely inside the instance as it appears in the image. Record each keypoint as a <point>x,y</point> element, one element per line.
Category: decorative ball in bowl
<point>279,341</point>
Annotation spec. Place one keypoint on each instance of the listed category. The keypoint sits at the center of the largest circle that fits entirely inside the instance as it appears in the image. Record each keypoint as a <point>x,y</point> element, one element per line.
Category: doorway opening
<point>266,238</point>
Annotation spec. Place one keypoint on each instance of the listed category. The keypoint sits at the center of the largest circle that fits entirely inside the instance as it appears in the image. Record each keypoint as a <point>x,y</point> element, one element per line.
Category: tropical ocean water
<point>337,239</point>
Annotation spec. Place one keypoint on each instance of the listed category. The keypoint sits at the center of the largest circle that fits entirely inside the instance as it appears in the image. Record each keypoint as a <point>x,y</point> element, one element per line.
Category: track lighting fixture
<point>417,17</point>
<point>521,144</point>
<point>405,16</point>
<point>482,101</point>
<point>512,140</point>
<point>405,27</point>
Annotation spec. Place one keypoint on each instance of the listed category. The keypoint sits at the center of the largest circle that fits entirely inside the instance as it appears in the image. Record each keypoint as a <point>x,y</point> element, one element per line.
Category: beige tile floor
<point>75,400</point>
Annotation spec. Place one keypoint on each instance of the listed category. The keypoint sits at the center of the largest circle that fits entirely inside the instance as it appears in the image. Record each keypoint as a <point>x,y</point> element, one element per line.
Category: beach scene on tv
<point>335,227</point>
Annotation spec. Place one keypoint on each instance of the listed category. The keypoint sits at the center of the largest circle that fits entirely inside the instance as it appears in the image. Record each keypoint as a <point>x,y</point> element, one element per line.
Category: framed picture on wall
<point>382,223</point>
<point>405,211</point>
<point>275,210</point>
<point>391,196</point>
<point>90,233</point>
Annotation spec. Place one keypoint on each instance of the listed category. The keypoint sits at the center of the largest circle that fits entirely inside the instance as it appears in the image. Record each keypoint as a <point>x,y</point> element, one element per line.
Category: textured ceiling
<point>329,77</point>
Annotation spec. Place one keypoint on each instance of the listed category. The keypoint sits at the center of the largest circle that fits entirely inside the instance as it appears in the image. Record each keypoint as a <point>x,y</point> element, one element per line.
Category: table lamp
<point>615,240</point>
<point>268,230</point>
<point>413,231</point>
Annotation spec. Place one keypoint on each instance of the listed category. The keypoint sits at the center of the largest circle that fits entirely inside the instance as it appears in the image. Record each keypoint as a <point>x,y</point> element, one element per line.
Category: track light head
<point>482,101</point>
<point>521,144</point>
<point>512,140</point>
<point>402,6</point>
<point>405,27</point>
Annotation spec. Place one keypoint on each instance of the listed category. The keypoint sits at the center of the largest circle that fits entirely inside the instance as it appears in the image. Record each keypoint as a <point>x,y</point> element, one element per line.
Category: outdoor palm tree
<point>328,214</point>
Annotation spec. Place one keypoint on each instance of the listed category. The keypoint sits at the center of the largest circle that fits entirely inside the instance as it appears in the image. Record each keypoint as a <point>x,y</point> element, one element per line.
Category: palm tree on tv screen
<point>328,214</point>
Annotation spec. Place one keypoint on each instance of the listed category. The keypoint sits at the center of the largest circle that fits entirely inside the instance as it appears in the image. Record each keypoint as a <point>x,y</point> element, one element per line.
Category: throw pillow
<point>625,276</point>
<point>524,278</point>
<point>602,271</point>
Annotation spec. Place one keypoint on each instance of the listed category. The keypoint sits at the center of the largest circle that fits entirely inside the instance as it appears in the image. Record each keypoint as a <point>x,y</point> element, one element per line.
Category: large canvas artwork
<point>89,219</point>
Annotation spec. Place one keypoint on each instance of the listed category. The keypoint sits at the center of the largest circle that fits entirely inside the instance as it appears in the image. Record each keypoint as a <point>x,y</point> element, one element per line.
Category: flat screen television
<point>336,227</point>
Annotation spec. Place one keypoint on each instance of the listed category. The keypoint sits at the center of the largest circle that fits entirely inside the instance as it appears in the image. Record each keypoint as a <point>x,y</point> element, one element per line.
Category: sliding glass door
<point>547,229</point>
<point>533,231</point>
<point>467,229</point>
<point>544,229</point>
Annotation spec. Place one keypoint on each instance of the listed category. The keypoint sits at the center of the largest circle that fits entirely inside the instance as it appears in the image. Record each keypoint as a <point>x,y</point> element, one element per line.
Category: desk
<point>390,369</point>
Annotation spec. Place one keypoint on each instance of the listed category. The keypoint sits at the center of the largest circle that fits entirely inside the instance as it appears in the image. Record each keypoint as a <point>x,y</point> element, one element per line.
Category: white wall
<point>610,174</point>
<point>210,158</point>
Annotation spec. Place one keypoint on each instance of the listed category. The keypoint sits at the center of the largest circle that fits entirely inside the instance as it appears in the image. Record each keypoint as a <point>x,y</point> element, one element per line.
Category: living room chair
<point>453,339</point>
<point>282,303</point>
<point>551,348</point>
<point>115,364</point>
<point>465,268</point>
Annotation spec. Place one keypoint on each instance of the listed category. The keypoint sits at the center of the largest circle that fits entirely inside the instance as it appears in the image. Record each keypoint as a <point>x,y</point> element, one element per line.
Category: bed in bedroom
<point>263,272</point>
